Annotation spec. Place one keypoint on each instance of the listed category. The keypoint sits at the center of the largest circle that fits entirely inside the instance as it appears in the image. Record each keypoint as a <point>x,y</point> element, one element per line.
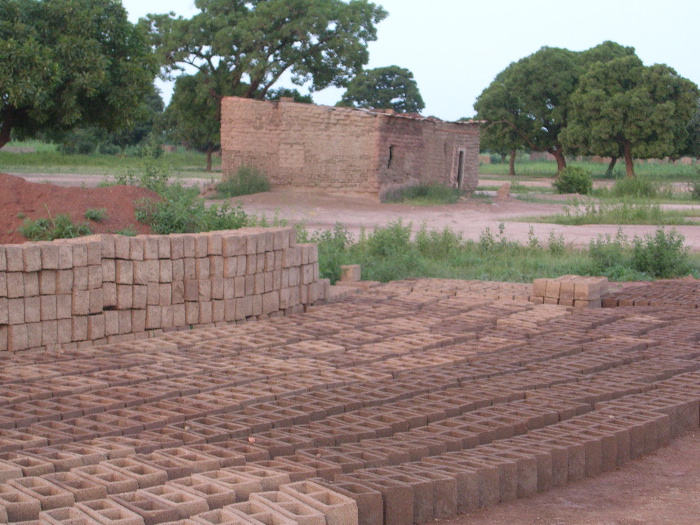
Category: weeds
<point>574,180</point>
<point>96,214</point>
<point>59,227</point>
<point>247,180</point>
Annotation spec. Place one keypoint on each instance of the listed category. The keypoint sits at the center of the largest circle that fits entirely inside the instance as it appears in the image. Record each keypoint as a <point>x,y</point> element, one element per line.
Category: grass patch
<point>423,195</point>
<point>578,212</point>
<point>391,253</point>
<point>246,181</point>
<point>59,227</point>
<point>96,214</point>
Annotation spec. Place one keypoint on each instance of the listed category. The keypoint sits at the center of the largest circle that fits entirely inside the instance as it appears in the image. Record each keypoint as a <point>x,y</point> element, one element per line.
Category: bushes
<point>247,180</point>
<point>58,227</point>
<point>661,255</point>
<point>574,180</point>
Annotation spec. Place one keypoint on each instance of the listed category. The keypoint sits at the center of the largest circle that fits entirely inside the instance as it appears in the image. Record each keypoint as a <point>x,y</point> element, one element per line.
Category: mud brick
<point>217,311</point>
<point>108,511</point>
<point>205,312</point>
<point>31,284</point>
<point>337,508</point>
<point>124,272</point>
<point>153,317</point>
<point>251,264</point>
<point>217,288</point>
<point>3,284</point>
<point>32,309</point>
<point>241,484</point>
<point>94,276</point>
<point>167,317</point>
<point>256,512</point>
<point>204,290</point>
<point>270,302</point>
<point>111,322</point>
<point>47,282</point>
<point>539,287</point>
<point>49,332</point>
<point>239,287</point>
<point>216,266</point>
<point>183,501</point>
<point>165,294</point>
<point>553,289</point>
<point>18,505</point>
<point>178,292</point>
<point>398,497</point>
<point>146,272</point>
<point>215,495</point>
<point>191,290</point>
<point>109,270</point>
<point>124,321</point>
<point>49,495</point>
<point>526,468</point>
<point>125,297</point>
<point>166,271</point>
<point>65,330</point>
<point>13,258</point>
<point>145,475</point>
<point>15,285</point>
<point>192,313</point>
<point>244,307</point>
<point>189,268</point>
<point>179,317</point>
<point>175,249</point>
<point>113,482</point>
<point>17,337</point>
<point>289,507</point>
<point>5,311</point>
<point>178,270</point>
<point>484,475</point>
<point>257,304</point>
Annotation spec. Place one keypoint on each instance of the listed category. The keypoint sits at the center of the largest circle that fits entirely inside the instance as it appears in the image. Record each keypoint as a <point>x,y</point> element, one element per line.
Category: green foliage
<point>322,41</point>
<point>662,255</point>
<point>636,187</point>
<point>423,194</point>
<point>180,210</point>
<point>578,212</point>
<point>573,180</point>
<point>70,63</point>
<point>127,232</point>
<point>151,174</point>
<point>389,87</point>
<point>528,103</point>
<point>246,181</point>
<point>96,214</point>
<point>279,93</point>
<point>51,228</point>
<point>623,108</point>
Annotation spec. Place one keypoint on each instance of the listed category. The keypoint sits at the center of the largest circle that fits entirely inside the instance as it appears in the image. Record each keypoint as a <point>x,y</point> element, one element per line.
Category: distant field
<point>540,168</point>
<point>46,159</point>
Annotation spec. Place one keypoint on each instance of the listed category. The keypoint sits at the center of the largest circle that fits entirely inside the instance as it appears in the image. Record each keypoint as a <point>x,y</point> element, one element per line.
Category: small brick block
<point>337,508</point>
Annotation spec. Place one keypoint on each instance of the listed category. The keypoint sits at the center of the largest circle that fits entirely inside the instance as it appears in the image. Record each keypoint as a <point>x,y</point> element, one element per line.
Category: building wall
<point>344,149</point>
<point>112,288</point>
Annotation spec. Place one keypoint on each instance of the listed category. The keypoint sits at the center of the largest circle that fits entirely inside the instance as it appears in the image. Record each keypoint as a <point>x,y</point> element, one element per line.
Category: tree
<point>69,63</point>
<point>532,96</point>
<point>192,115</point>
<point>389,87</point>
<point>625,106</point>
<point>692,147</point>
<point>279,93</point>
<point>247,45</point>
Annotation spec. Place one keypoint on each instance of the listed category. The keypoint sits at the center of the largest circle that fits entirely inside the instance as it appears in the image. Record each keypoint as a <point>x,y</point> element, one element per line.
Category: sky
<point>455,48</point>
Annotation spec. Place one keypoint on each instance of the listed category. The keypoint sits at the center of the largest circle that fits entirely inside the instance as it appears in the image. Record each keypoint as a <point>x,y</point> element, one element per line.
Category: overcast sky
<point>456,47</point>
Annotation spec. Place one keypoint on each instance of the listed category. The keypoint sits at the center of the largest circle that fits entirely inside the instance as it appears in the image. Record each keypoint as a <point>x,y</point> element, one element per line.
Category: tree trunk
<point>5,130</point>
<point>561,160</point>
<point>511,168</point>
<point>503,158</point>
<point>611,167</point>
<point>210,150</point>
<point>629,163</point>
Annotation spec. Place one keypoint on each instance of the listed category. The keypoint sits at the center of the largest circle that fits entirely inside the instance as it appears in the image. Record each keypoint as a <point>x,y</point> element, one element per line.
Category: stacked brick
<point>112,288</point>
<point>413,402</point>
<point>570,290</point>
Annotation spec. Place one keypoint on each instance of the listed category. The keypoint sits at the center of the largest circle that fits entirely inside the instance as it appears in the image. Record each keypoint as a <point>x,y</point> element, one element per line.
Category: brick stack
<point>570,290</point>
<point>112,288</point>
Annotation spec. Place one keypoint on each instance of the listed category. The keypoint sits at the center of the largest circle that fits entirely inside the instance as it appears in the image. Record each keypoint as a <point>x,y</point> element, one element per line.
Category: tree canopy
<point>69,63</point>
<point>248,45</point>
<point>532,96</point>
<point>389,87</point>
<point>624,106</point>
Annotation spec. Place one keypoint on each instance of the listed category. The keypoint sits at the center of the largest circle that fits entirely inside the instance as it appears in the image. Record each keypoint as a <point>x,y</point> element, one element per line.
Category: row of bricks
<point>68,253</point>
<point>28,330</point>
<point>570,288</point>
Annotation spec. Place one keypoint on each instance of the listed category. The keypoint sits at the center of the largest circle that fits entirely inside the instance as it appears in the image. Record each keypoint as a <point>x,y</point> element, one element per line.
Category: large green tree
<point>247,45</point>
<point>391,87</point>
<point>69,63</point>
<point>623,105</point>
<point>532,96</point>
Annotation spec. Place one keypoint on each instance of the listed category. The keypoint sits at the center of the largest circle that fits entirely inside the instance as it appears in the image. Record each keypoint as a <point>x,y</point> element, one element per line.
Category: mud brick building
<point>344,149</point>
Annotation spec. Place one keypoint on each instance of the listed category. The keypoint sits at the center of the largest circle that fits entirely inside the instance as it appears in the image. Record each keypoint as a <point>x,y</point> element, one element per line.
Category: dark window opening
<point>391,156</point>
<point>460,170</point>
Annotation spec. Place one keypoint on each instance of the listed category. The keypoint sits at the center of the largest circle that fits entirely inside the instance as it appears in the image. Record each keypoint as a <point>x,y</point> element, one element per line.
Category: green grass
<point>96,214</point>
<point>526,168</point>
<point>48,160</point>
<point>246,181</point>
<point>51,228</point>
<point>391,253</point>
<point>579,211</point>
<point>423,195</point>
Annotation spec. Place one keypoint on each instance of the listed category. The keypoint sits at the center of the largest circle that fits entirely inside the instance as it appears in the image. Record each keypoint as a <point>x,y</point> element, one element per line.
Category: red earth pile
<point>19,198</point>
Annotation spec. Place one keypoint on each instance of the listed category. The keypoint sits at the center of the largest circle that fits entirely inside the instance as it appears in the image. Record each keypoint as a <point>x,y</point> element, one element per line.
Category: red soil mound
<point>35,201</point>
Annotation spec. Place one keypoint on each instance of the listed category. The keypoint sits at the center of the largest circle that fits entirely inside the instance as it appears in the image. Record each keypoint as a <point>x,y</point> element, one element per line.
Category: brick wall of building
<point>112,288</point>
<point>345,149</point>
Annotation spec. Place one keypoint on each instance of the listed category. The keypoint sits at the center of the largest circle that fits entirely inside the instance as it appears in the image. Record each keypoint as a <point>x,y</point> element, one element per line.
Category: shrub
<point>608,252</point>
<point>422,194</point>
<point>246,181</point>
<point>661,255</point>
<point>393,239</point>
<point>59,227</point>
<point>635,187</point>
<point>574,180</point>
<point>95,214</point>
<point>180,210</point>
